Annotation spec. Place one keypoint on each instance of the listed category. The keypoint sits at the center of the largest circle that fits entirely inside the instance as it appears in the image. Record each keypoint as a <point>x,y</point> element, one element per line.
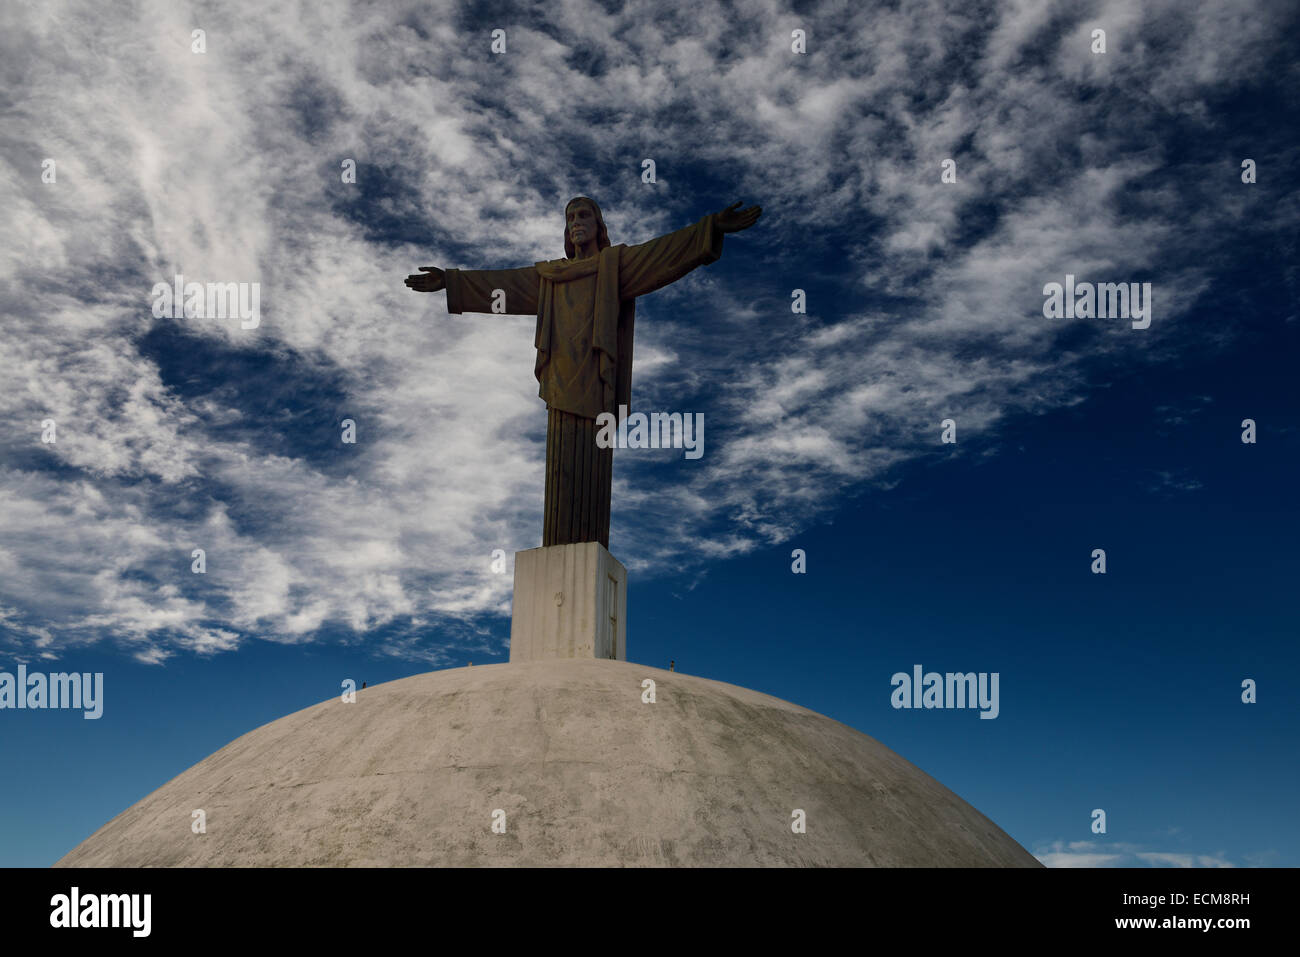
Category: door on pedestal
<point>611,603</point>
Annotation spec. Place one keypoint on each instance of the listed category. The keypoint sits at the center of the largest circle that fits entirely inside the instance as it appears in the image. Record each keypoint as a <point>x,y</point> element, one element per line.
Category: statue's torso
<point>574,369</point>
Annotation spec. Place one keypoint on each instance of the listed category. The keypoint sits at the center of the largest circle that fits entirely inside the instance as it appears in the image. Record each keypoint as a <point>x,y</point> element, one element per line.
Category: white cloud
<point>225,166</point>
<point>1104,854</point>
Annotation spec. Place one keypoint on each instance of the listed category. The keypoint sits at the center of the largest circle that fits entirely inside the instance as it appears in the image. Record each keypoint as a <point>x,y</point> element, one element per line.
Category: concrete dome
<point>587,774</point>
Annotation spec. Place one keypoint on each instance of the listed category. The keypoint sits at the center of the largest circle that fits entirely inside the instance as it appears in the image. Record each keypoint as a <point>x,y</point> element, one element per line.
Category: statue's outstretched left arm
<point>733,220</point>
<point>654,264</point>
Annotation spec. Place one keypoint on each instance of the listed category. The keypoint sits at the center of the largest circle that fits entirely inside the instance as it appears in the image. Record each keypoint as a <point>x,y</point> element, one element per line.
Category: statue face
<point>582,224</point>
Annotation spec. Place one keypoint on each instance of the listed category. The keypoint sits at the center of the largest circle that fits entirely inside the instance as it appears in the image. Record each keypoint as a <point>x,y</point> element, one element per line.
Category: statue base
<point>570,601</point>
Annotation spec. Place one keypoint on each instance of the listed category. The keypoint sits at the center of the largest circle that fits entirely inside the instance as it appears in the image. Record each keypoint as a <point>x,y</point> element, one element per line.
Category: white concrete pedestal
<point>570,601</point>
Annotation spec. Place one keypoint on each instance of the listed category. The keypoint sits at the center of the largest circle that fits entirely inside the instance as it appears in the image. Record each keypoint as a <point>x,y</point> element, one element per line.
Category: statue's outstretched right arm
<point>499,291</point>
<point>432,282</point>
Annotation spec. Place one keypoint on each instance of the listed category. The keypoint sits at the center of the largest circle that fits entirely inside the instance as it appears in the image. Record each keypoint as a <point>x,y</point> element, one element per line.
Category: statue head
<point>576,221</point>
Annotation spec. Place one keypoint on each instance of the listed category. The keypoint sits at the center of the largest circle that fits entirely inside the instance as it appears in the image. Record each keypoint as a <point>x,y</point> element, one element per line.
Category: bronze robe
<point>585,312</point>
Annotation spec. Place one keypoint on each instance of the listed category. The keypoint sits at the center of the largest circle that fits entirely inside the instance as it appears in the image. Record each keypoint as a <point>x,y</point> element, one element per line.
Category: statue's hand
<point>431,282</point>
<point>733,220</point>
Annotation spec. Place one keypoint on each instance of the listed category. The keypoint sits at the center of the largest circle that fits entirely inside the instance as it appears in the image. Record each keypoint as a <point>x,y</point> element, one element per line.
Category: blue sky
<point>372,561</point>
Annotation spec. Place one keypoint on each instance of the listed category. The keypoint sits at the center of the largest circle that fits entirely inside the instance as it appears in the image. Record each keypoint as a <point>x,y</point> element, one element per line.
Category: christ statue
<point>585,306</point>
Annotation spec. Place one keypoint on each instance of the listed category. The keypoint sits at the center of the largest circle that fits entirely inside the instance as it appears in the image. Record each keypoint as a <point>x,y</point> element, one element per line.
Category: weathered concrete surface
<point>570,601</point>
<point>586,773</point>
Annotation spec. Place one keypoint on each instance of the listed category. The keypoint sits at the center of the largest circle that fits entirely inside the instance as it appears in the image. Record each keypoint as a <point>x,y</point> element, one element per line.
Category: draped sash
<point>612,329</point>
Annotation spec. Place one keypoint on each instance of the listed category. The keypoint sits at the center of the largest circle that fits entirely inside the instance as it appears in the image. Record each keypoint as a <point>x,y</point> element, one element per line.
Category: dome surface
<point>586,773</point>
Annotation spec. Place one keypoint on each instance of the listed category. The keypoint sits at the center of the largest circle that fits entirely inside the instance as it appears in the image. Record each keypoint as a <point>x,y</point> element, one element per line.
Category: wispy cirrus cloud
<point>1106,854</point>
<point>224,166</point>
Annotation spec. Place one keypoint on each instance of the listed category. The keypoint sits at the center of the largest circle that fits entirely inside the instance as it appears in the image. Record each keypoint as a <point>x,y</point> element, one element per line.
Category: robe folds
<point>586,312</point>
